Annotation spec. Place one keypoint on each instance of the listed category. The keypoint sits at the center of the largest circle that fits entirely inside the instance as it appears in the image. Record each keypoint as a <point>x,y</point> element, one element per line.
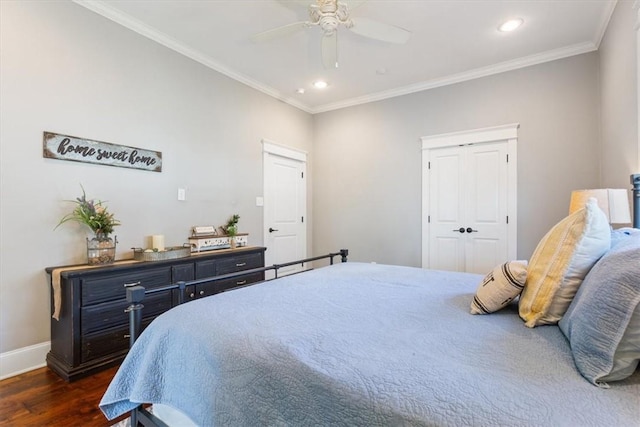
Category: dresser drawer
<point>107,343</point>
<point>206,268</point>
<point>106,315</point>
<point>111,287</point>
<point>225,285</point>
<point>239,263</point>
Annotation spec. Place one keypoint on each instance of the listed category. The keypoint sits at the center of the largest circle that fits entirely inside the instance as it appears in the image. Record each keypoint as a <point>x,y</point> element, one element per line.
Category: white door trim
<point>508,133</point>
<point>272,148</point>
<point>475,136</point>
<point>282,151</point>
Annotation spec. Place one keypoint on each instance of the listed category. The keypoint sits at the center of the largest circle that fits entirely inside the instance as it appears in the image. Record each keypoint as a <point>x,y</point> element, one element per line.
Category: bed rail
<point>136,294</point>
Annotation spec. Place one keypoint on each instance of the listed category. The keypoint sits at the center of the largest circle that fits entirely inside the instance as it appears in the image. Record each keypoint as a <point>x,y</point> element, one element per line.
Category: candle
<point>157,242</point>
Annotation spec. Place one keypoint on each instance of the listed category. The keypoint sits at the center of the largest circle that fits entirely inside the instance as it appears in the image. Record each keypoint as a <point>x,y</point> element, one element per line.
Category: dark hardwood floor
<point>42,398</point>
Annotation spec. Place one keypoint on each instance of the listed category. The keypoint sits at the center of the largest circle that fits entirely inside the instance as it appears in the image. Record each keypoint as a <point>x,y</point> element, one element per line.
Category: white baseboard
<point>23,359</point>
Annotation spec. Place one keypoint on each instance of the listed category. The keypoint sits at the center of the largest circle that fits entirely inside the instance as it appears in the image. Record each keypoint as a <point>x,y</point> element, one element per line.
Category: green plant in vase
<point>231,229</point>
<point>101,249</point>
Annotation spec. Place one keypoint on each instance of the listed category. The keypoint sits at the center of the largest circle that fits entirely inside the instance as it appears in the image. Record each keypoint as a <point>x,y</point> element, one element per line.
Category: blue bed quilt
<point>362,345</point>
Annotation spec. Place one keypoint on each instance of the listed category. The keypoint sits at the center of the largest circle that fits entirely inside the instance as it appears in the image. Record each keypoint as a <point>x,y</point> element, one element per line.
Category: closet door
<point>485,206</point>
<point>447,200</point>
<point>468,207</point>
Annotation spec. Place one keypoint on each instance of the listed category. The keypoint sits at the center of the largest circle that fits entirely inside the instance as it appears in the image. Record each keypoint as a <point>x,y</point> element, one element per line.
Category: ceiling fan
<point>329,15</point>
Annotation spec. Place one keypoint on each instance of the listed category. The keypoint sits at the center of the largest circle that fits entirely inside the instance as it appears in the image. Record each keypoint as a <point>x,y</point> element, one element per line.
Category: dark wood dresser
<point>92,331</point>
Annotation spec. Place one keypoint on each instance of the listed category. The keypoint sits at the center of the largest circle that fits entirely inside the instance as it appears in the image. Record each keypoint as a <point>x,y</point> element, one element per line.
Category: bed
<point>357,344</point>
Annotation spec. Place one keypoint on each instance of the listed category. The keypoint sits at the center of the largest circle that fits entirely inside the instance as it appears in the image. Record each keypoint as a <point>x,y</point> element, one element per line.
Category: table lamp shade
<point>613,202</point>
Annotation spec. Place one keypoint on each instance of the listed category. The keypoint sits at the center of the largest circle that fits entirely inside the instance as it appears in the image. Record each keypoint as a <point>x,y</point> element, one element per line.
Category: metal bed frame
<point>137,293</point>
<point>635,181</point>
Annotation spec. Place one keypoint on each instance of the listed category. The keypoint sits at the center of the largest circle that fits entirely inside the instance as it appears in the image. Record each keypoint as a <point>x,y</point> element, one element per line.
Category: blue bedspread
<point>362,345</point>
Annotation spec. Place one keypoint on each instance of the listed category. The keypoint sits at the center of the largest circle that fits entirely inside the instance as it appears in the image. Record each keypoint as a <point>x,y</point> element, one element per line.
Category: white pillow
<point>501,286</point>
<point>560,262</point>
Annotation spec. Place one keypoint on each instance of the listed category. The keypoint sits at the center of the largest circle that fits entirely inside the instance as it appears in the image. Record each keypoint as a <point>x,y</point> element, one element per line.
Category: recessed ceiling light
<point>320,84</point>
<point>511,25</point>
<point>300,90</point>
<point>381,71</point>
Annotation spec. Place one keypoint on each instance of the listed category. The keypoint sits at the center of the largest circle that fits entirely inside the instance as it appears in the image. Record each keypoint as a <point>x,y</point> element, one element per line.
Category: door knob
<point>470,230</point>
<point>459,230</point>
<point>271,230</point>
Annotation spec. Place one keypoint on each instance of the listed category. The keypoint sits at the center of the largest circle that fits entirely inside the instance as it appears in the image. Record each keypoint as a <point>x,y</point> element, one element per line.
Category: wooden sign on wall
<point>65,147</point>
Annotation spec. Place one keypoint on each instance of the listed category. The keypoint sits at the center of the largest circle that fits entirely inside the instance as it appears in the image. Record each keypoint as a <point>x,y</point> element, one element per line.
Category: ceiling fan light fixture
<point>510,25</point>
<point>330,15</point>
<point>320,84</point>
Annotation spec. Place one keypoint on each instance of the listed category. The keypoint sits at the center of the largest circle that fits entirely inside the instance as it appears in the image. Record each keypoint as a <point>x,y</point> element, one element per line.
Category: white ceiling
<point>451,41</point>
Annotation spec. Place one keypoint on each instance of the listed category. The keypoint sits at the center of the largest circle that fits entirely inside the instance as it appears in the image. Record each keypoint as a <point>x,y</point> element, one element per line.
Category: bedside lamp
<point>613,202</point>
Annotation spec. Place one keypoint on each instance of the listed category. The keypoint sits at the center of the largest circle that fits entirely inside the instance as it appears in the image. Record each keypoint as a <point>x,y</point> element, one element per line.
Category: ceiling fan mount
<point>329,15</point>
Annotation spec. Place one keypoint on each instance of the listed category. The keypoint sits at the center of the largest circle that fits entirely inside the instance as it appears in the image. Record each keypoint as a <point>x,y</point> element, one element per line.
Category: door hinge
<point>507,219</point>
<point>302,218</point>
<point>429,218</point>
<point>302,175</point>
<point>507,158</point>
<point>428,165</point>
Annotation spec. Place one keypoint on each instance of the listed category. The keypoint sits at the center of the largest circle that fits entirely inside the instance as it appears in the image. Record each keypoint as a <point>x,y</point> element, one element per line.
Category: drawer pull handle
<point>128,285</point>
<point>241,264</point>
<point>126,336</point>
<point>241,282</point>
<point>191,295</point>
<point>201,292</point>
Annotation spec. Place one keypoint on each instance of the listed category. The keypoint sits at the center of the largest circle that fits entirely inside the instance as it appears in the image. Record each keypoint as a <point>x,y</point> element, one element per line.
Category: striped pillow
<point>499,287</point>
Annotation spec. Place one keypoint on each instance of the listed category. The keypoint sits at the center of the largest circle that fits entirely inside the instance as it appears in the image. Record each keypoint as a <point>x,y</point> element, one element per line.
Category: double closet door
<point>469,205</point>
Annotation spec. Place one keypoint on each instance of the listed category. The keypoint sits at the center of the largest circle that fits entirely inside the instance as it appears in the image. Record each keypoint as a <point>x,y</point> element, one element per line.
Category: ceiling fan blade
<point>379,31</point>
<point>330,50</point>
<point>279,32</point>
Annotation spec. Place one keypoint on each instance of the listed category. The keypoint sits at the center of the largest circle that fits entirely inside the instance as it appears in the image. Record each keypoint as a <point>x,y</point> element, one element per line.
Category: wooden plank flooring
<point>42,398</point>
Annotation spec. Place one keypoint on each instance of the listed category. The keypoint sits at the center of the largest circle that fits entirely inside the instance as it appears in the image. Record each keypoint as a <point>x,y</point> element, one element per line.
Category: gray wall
<point>367,191</point>
<point>68,70</point>
<point>618,82</point>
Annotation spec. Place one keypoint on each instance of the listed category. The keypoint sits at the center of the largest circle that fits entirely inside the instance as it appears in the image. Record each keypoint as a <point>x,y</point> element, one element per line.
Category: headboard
<point>635,181</point>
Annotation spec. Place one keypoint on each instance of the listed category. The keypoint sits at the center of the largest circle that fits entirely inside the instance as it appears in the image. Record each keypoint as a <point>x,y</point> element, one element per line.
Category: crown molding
<point>502,67</point>
<point>102,8</point>
<point>606,17</point>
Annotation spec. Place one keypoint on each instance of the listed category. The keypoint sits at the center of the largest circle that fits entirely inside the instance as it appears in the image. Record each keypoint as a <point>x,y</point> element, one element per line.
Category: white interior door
<point>485,219</point>
<point>446,193</point>
<point>469,200</point>
<point>284,209</point>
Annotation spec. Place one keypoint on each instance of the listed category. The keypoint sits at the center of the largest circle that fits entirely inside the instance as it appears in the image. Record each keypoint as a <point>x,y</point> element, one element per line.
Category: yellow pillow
<point>560,262</point>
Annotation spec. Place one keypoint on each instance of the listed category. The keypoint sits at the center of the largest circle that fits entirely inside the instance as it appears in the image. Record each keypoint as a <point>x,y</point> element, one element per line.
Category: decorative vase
<point>232,242</point>
<point>101,249</point>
